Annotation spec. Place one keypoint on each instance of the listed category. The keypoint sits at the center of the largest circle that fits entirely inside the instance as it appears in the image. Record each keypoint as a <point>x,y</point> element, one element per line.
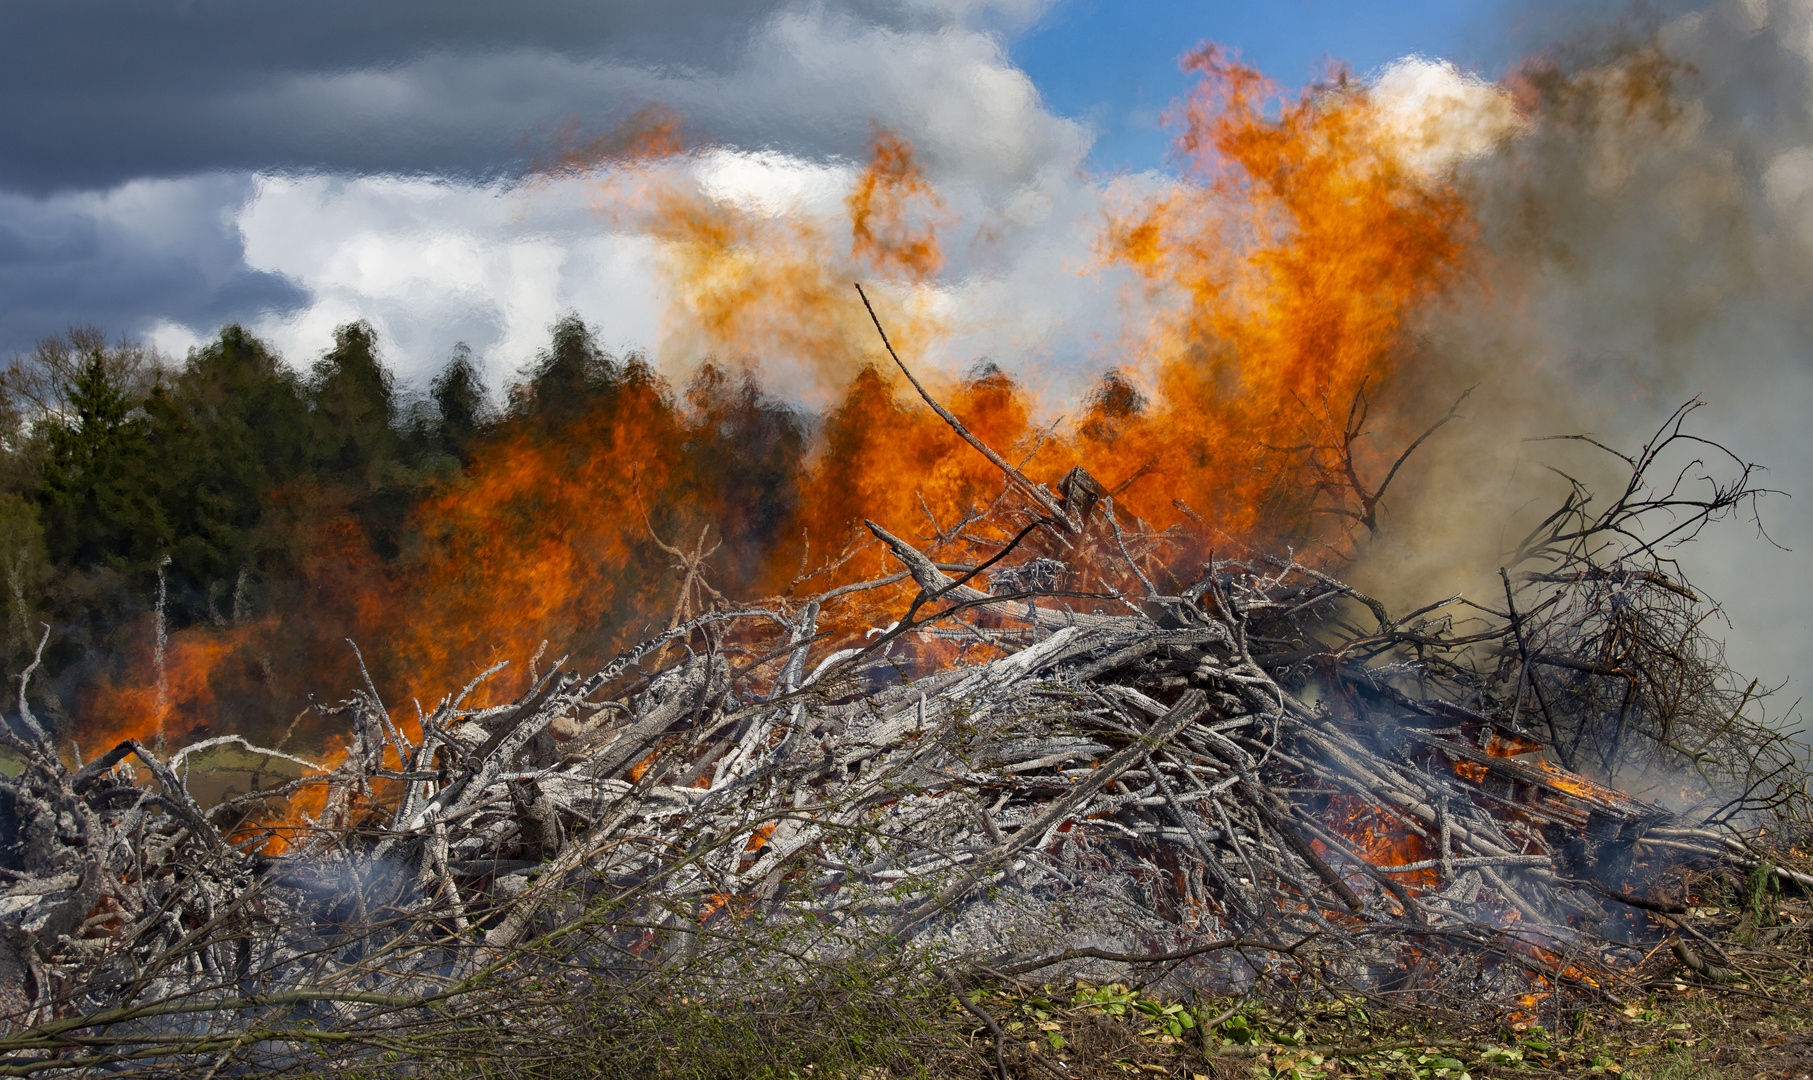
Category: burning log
<point>1200,779</point>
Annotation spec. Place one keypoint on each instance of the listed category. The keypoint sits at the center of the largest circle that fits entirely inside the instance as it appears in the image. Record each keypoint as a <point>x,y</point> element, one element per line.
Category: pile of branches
<point>1254,776</point>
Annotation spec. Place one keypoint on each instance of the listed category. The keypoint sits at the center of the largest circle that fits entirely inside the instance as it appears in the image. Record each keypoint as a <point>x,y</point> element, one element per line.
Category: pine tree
<point>463,404</point>
<point>568,377</point>
<point>355,409</point>
<point>230,429</point>
<point>98,490</point>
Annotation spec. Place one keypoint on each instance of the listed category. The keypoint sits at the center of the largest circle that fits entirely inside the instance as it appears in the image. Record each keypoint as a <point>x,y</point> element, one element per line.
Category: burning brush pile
<point>1078,751</point>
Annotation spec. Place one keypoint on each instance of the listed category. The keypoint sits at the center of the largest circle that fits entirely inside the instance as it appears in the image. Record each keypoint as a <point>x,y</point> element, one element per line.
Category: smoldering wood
<point>854,792</point>
<point>1219,780</point>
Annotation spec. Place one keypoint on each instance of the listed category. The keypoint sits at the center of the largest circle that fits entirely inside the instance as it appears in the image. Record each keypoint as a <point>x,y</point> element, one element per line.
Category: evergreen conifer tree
<point>98,490</point>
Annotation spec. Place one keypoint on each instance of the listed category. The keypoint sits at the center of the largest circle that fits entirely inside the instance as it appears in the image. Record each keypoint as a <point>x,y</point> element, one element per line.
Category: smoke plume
<point>1645,237</point>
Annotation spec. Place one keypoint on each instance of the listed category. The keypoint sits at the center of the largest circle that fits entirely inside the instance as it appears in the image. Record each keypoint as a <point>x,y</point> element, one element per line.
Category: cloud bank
<point>309,164</point>
<point>97,92</point>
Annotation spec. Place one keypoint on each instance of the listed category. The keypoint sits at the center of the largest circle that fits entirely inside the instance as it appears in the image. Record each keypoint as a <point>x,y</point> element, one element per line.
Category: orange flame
<point>1382,840</point>
<point>883,207</point>
<point>178,706</point>
<point>750,281</point>
<point>1285,284</point>
<point>537,543</point>
<point>1283,278</point>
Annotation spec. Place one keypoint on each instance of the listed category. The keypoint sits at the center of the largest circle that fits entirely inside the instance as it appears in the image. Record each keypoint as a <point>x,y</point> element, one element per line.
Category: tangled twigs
<point>1266,780</point>
<point>994,1028</point>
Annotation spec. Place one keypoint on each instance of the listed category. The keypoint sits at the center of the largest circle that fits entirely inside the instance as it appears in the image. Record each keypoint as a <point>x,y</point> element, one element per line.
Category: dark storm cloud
<point>145,252</point>
<point>94,92</point>
<point>132,132</point>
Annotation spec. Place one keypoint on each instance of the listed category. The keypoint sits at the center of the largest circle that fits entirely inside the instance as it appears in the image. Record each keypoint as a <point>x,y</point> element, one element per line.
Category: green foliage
<point>220,470</point>
<point>855,1020</point>
<point>361,465</point>
<point>743,452</point>
<point>1761,891</point>
<point>228,430</point>
<point>354,407</point>
<point>22,567</point>
<point>98,487</point>
<point>462,406</point>
<point>1301,1040</point>
<point>567,377</point>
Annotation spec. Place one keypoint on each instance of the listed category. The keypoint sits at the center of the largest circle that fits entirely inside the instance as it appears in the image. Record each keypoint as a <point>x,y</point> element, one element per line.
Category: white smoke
<point>1646,235</point>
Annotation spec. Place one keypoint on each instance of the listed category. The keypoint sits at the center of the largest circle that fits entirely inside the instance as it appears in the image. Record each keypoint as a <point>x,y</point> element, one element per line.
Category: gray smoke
<point>1648,238</point>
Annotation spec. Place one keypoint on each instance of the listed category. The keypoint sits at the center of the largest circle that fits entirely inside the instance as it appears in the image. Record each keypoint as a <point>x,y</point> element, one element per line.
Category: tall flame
<point>1282,274</point>
<point>1285,282</point>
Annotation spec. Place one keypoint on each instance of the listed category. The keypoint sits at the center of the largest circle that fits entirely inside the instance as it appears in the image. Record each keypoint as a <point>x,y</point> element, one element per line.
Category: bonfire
<point>1081,748</point>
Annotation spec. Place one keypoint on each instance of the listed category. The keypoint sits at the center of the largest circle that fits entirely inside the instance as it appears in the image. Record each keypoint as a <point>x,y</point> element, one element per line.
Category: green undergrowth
<point>847,1029</point>
<point>864,1022</point>
<point>1738,1006</point>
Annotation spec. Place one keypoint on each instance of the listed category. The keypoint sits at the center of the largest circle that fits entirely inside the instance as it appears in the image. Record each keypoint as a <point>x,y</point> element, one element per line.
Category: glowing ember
<point>1382,840</point>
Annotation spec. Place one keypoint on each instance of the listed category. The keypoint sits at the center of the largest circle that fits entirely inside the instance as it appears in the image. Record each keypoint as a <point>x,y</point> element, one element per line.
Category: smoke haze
<point>1647,237</point>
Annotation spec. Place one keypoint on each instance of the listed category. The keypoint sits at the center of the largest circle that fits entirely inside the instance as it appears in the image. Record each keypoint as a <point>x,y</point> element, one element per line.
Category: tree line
<point>132,485</point>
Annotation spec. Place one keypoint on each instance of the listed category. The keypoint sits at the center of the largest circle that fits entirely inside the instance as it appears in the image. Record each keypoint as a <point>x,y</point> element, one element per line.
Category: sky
<point>158,160</point>
<point>1092,61</point>
<point>168,166</point>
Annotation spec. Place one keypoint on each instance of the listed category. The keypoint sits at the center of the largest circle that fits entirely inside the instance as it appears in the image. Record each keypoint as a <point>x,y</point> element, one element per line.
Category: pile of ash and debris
<point>1264,775</point>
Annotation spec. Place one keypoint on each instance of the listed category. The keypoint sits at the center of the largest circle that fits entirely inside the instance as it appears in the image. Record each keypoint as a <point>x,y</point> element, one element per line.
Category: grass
<point>884,1019</point>
<point>1093,1031</point>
